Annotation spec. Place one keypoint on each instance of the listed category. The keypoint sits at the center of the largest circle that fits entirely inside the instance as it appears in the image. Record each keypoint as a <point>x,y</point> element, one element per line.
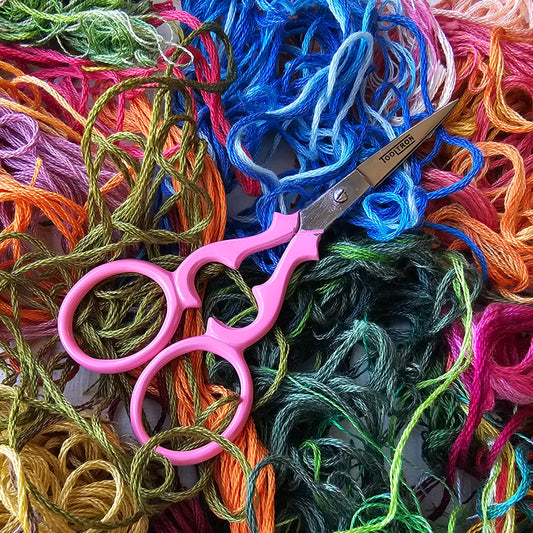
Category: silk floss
<point>116,143</point>
<point>98,213</point>
<point>325,386</point>
<point>495,112</point>
<point>115,33</point>
<point>306,73</point>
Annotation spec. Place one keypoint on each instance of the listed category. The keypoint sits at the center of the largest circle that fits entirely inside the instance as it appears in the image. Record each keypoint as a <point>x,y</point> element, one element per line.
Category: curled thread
<point>328,84</point>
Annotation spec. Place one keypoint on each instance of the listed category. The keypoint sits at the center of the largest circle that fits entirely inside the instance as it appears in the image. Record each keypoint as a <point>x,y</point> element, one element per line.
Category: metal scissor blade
<point>335,201</point>
<point>379,165</point>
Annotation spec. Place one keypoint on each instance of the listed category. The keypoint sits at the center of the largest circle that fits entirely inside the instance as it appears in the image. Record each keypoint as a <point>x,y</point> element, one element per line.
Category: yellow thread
<point>72,471</point>
<point>486,433</point>
<point>13,495</point>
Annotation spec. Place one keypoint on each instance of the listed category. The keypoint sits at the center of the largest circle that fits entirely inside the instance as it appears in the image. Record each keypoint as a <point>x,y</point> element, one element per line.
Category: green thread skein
<point>114,32</point>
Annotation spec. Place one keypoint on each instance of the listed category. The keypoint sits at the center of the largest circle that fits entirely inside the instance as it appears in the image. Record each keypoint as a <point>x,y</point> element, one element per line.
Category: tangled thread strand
<point>306,72</point>
<point>314,416</point>
<point>116,33</point>
<point>495,113</point>
<point>170,183</point>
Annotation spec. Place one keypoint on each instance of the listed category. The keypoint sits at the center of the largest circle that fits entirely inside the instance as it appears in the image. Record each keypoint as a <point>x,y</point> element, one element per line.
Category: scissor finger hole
<point>119,315</point>
<point>192,393</point>
<point>193,390</point>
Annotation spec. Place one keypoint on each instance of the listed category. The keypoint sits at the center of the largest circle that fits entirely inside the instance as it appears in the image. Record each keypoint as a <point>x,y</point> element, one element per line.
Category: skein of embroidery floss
<point>61,478</point>
<point>497,390</point>
<point>116,33</point>
<point>514,14</point>
<point>327,83</point>
<point>191,216</point>
<point>181,184</point>
<point>494,111</point>
<point>186,517</point>
<point>337,379</point>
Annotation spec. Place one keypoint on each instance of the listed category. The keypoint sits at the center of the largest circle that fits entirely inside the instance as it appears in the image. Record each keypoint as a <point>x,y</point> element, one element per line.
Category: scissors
<point>301,230</point>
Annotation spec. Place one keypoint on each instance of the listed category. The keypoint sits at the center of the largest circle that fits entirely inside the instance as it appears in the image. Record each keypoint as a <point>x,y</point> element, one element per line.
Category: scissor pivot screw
<point>340,196</point>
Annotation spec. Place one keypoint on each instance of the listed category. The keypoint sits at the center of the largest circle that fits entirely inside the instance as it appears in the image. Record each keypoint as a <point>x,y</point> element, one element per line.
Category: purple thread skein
<point>62,171</point>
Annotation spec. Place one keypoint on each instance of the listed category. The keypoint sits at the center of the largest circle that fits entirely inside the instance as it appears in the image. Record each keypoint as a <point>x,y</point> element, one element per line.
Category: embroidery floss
<point>494,85</point>
<point>178,217</point>
<point>57,478</point>
<point>117,33</point>
<point>305,74</point>
<point>358,333</point>
<point>499,376</point>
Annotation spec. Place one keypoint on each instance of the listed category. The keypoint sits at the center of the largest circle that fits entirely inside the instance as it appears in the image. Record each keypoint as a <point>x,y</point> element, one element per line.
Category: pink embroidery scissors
<point>302,230</point>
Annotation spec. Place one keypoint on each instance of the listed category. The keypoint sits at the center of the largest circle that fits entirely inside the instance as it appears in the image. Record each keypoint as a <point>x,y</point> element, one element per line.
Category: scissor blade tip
<point>445,110</point>
<point>435,119</point>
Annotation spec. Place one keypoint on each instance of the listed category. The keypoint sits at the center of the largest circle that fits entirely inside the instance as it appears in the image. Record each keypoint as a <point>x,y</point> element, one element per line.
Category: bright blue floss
<point>304,71</point>
<point>473,246</point>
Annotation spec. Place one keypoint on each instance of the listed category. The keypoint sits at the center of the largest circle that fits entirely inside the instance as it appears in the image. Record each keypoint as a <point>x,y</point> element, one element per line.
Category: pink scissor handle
<point>65,319</point>
<point>221,339</point>
<point>303,246</point>
<point>180,291</point>
<point>231,253</point>
<point>202,343</point>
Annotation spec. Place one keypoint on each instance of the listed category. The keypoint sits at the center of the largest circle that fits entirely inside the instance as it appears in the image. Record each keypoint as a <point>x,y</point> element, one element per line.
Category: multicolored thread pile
<point>395,391</point>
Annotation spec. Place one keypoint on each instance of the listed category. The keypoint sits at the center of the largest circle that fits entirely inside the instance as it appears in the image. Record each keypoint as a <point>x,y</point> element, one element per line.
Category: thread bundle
<point>326,427</point>
<point>172,224</point>
<point>118,142</point>
<point>306,73</point>
<point>496,117</point>
<point>115,32</point>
